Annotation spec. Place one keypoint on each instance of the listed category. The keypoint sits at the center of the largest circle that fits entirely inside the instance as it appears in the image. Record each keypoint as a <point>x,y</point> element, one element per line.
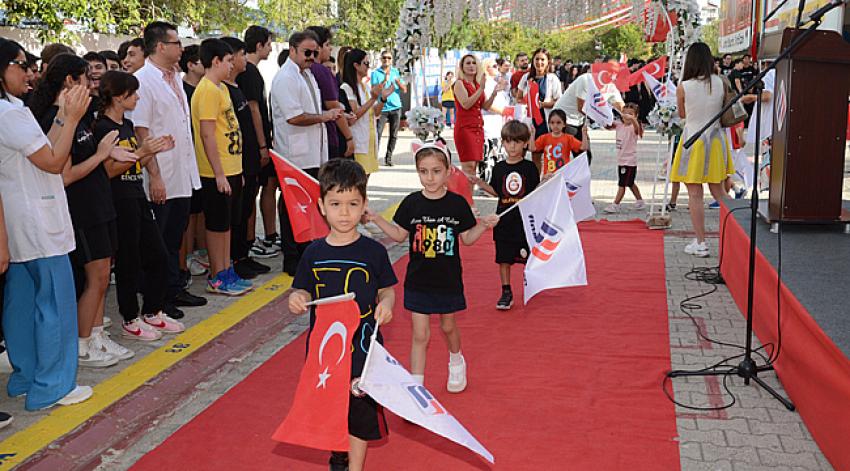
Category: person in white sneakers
<point>629,130</point>
<point>40,318</point>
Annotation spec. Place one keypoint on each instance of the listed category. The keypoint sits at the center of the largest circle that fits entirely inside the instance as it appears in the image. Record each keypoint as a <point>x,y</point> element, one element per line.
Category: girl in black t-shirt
<point>436,221</point>
<point>137,231</point>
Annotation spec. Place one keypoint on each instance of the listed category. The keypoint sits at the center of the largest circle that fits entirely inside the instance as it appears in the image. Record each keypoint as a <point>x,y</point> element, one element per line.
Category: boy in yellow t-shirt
<point>218,147</point>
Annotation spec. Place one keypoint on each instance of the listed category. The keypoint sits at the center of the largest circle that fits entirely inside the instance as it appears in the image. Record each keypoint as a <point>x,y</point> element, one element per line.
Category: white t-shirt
<point>163,112</point>
<point>493,121</point>
<point>305,146</point>
<point>36,210</point>
<point>578,90</point>
<point>360,129</point>
<point>766,129</point>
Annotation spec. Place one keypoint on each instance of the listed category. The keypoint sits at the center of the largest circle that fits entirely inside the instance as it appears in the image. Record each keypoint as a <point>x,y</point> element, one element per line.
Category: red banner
<point>607,74</point>
<point>657,28</point>
<point>655,68</point>
<point>301,196</point>
<point>319,414</point>
<point>534,102</point>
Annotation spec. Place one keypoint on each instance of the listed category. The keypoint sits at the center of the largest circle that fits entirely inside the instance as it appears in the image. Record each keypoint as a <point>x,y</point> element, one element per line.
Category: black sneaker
<point>338,461</point>
<point>243,270</point>
<point>6,419</point>
<point>506,301</point>
<point>388,161</point>
<point>186,277</point>
<point>185,298</point>
<point>290,268</point>
<point>260,250</point>
<point>173,311</point>
<point>258,267</point>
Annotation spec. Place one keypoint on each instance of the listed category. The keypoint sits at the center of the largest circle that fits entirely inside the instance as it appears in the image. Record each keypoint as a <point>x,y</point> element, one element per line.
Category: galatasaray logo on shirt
<point>513,184</point>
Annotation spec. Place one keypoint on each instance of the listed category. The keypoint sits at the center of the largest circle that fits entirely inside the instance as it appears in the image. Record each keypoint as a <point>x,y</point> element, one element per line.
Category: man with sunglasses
<point>390,77</point>
<point>300,134</point>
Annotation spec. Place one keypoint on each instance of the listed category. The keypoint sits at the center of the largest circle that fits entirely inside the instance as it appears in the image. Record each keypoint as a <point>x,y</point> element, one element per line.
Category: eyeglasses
<point>24,65</point>
<point>176,43</point>
<point>311,52</point>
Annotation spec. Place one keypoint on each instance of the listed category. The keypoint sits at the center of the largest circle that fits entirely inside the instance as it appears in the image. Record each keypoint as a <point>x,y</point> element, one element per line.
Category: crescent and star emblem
<point>293,182</point>
<point>337,328</point>
<point>656,68</point>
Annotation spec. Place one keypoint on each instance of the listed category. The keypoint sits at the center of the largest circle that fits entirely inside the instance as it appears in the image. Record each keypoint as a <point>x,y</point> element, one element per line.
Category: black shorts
<point>626,175</point>
<point>221,211</point>
<point>511,251</point>
<point>266,173</point>
<point>449,105</point>
<point>196,205</point>
<point>94,243</point>
<point>366,419</point>
<point>433,303</point>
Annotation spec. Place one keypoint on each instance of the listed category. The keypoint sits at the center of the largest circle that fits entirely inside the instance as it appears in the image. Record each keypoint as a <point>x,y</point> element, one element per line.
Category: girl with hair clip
<point>435,221</point>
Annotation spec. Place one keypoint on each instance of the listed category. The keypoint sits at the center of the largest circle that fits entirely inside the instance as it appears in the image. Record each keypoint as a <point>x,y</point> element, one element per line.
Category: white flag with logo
<point>387,382</point>
<point>556,259</point>
<point>663,92</point>
<point>577,180</point>
<point>596,107</point>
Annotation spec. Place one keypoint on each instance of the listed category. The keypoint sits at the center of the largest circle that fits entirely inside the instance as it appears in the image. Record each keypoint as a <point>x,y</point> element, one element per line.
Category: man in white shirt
<point>170,177</point>
<point>300,134</point>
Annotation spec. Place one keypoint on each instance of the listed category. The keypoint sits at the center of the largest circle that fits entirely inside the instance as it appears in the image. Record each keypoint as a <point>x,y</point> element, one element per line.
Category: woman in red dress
<point>469,124</point>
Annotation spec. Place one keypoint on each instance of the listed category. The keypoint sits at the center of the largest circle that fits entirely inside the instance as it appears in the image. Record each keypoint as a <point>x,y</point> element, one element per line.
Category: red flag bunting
<point>534,102</point>
<point>319,414</point>
<point>605,74</point>
<point>301,196</point>
<point>655,68</point>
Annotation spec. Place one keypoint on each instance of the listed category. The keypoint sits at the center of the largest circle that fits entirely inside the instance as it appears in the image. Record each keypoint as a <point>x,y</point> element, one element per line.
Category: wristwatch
<point>59,122</point>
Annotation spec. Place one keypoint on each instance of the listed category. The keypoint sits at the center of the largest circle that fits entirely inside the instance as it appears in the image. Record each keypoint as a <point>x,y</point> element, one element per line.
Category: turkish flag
<point>655,68</point>
<point>319,414</point>
<point>616,74</point>
<point>534,102</point>
<point>301,197</point>
<point>459,183</point>
<point>660,27</point>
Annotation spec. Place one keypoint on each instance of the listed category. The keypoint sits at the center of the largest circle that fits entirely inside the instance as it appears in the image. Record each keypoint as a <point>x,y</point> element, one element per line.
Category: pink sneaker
<point>139,330</point>
<point>161,322</point>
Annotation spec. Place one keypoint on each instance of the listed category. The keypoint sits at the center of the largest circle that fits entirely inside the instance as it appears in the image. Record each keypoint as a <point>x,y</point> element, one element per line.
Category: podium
<point>809,128</point>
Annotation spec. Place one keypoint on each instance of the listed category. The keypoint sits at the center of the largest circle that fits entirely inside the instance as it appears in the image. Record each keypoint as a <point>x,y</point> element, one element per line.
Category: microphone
<point>818,14</point>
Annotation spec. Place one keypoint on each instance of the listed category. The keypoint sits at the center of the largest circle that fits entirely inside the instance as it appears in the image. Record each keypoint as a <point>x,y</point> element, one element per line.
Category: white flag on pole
<point>556,259</point>
<point>596,107</point>
<point>663,92</point>
<point>387,382</point>
<point>577,180</point>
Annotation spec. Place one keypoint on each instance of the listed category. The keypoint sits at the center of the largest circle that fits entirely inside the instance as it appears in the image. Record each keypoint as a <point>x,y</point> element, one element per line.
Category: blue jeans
<point>40,323</point>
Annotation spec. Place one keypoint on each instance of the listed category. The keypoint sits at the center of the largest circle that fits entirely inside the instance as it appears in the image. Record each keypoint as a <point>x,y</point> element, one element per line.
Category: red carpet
<point>570,382</point>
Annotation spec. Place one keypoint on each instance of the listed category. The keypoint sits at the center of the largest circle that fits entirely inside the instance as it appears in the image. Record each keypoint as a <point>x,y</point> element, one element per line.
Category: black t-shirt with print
<point>250,147</point>
<point>89,198</point>
<point>363,267</point>
<point>435,227</point>
<point>130,183</point>
<point>512,182</point>
<point>254,87</point>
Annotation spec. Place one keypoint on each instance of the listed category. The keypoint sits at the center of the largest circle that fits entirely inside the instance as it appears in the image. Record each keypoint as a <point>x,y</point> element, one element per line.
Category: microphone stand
<point>747,368</point>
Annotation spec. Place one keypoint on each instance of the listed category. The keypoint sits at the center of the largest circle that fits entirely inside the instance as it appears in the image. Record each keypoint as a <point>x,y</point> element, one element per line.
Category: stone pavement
<point>756,433</point>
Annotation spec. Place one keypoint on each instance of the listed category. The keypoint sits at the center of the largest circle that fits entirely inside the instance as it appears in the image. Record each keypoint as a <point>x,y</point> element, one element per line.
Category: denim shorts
<point>433,303</point>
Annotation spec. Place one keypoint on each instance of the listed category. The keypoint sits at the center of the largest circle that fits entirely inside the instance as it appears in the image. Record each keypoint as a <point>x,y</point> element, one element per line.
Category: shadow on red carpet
<point>571,381</point>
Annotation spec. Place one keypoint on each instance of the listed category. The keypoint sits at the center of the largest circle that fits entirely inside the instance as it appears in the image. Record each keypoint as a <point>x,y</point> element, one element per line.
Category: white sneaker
<point>79,394</point>
<point>109,346</point>
<point>639,204</point>
<point>697,249</point>
<point>138,330</point>
<point>164,324</point>
<point>196,265</point>
<point>612,208</point>
<point>92,355</point>
<point>457,377</point>
<point>107,322</point>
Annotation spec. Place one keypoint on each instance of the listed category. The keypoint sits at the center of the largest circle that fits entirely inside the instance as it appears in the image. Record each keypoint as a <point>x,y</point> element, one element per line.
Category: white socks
<point>420,379</point>
<point>83,345</point>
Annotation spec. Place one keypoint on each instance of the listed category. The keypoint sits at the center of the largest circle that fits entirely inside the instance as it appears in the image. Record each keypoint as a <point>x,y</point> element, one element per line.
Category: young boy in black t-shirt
<point>346,262</point>
<point>512,180</point>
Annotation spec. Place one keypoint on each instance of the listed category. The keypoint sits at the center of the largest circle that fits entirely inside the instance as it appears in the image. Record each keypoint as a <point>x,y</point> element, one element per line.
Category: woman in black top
<point>140,253</point>
<point>89,202</point>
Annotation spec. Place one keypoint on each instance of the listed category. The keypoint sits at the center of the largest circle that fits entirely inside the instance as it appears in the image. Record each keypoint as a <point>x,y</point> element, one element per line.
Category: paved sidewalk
<point>756,433</point>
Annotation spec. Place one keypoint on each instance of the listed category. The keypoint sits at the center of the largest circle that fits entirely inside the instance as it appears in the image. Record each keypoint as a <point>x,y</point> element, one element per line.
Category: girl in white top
<point>709,160</point>
<point>548,83</point>
<point>366,104</point>
<point>40,315</point>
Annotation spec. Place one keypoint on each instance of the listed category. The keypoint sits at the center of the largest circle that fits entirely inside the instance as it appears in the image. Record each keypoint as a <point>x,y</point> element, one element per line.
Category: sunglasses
<point>366,63</point>
<point>387,58</point>
<point>22,64</point>
<point>310,52</point>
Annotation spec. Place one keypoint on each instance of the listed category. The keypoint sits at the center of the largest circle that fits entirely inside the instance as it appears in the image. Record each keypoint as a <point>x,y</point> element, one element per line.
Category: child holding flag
<point>556,147</point>
<point>629,130</point>
<point>435,220</point>
<point>513,179</point>
<point>346,262</point>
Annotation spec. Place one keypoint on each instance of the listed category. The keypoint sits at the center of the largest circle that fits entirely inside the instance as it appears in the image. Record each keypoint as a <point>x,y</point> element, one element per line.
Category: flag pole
<point>372,340</point>
<point>291,164</point>
<point>331,299</point>
<point>539,187</point>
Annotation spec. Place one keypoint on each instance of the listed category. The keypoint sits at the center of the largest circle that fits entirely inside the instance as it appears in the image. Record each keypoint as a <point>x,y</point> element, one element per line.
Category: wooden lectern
<point>809,128</point>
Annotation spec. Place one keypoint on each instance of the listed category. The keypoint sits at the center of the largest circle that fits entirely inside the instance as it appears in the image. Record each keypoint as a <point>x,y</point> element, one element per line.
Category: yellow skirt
<point>709,160</point>
<point>368,162</point>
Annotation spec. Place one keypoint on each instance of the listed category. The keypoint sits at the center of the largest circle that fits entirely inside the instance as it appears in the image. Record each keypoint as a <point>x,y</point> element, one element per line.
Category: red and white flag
<point>301,196</point>
<point>534,102</point>
<point>663,92</point>
<point>605,74</point>
<point>388,383</point>
<point>319,414</point>
<point>459,183</point>
<point>656,69</point>
<point>557,258</point>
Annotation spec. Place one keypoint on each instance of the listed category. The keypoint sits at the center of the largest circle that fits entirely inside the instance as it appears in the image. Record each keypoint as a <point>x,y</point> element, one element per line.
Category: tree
<point>295,15</point>
<point>627,39</point>
<point>368,24</point>
<point>710,36</point>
